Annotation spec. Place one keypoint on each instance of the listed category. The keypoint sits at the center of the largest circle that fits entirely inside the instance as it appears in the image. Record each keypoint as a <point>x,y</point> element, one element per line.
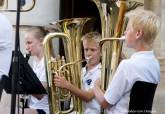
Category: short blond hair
<point>147,21</point>
<point>94,36</point>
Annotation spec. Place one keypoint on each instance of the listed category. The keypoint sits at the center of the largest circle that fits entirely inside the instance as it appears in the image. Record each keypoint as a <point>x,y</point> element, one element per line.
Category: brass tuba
<point>70,31</point>
<point>112,18</point>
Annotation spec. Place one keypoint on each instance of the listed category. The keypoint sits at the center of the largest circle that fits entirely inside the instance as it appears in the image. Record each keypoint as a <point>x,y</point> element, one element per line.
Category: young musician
<point>38,103</point>
<point>141,31</point>
<point>90,73</point>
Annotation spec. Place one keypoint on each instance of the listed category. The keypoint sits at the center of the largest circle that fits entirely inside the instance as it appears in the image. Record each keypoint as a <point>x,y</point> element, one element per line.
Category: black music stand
<point>27,83</point>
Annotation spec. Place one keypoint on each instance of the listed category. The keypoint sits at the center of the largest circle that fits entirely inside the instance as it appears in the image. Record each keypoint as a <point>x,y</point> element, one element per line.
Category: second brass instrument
<point>70,31</point>
<point>112,19</point>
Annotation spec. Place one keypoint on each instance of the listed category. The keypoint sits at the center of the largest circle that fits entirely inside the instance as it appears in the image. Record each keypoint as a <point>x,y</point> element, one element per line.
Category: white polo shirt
<point>5,45</point>
<point>142,66</point>
<point>34,103</point>
<point>88,80</point>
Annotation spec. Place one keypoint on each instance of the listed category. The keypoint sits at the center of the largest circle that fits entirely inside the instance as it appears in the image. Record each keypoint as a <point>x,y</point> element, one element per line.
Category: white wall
<point>44,12</point>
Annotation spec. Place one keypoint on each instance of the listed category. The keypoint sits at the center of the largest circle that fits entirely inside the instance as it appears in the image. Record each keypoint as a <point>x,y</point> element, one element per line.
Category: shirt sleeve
<point>5,33</point>
<point>118,86</point>
<point>5,45</point>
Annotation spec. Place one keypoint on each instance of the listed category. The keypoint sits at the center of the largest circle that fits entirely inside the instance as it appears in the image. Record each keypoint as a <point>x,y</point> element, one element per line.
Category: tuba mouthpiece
<point>27,56</point>
<point>122,38</point>
<point>88,59</point>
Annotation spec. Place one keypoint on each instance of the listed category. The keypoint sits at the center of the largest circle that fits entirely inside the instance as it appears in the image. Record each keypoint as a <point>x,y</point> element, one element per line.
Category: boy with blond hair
<point>141,31</point>
<point>90,73</point>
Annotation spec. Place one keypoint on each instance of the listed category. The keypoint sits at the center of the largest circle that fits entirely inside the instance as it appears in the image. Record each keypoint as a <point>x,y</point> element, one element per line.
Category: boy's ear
<point>139,34</point>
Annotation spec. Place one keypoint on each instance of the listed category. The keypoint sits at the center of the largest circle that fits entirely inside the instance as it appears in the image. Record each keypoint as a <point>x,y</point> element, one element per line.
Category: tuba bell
<point>70,31</point>
<point>112,19</point>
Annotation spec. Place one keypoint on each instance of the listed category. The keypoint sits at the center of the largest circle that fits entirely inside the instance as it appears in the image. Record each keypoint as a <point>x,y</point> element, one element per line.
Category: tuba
<point>112,19</point>
<point>70,31</point>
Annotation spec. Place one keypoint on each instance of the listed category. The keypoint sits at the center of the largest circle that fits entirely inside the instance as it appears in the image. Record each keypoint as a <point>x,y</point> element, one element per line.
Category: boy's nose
<point>26,48</point>
<point>89,55</point>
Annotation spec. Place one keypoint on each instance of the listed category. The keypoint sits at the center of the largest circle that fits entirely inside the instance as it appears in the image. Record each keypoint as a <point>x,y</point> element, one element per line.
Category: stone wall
<point>157,6</point>
<point>162,35</point>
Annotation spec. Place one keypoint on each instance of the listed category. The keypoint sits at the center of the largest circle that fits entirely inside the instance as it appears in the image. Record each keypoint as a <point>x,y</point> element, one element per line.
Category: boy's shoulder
<point>125,63</point>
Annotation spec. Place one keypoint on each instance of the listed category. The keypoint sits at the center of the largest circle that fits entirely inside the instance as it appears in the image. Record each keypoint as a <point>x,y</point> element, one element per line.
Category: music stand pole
<point>16,62</point>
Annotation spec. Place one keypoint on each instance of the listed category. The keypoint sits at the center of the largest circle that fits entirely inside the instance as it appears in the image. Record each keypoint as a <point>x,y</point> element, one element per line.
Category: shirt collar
<point>93,69</point>
<point>142,53</point>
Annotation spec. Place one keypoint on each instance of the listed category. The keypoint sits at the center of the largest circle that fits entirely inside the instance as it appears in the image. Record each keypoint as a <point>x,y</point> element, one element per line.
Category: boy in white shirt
<point>90,73</point>
<point>142,29</point>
